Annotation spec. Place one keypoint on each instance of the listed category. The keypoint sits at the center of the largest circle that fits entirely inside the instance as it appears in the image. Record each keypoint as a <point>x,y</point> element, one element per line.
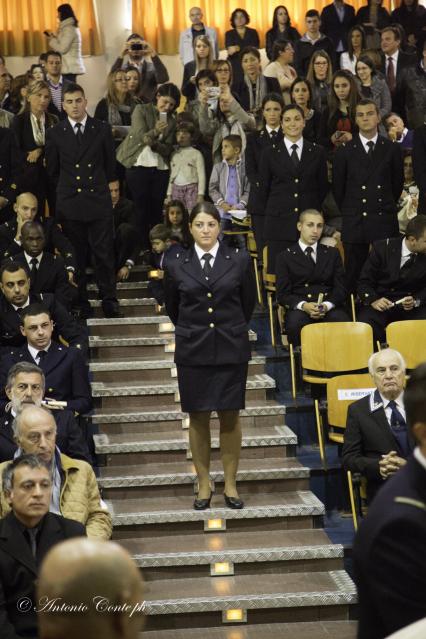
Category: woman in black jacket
<point>281,29</point>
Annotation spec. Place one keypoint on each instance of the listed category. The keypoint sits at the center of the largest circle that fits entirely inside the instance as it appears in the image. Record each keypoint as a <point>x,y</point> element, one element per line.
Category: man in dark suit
<point>389,550</point>
<point>337,19</point>
<point>293,178</point>
<point>65,371</point>
<point>376,441</point>
<point>47,272</point>
<point>127,244</point>
<point>367,182</point>
<point>15,286</point>
<point>80,155</point>
<point>394,61</point>
<point>419,165</point>
<point>26,384</point>
<point>305,271</point>
<point>392,285</point>
<point>26,534</point>
<point>9,166</point>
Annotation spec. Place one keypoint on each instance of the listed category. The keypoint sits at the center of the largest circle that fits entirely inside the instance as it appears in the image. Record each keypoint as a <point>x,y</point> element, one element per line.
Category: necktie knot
<point>207,257</point>
<point>41,355</point>
<point>77,127</point>
<point>207,268</point>
<point>34,262</point>
<point>370,145</point>
<point>274,134</point>
<point>309,252</point>
<point>294,147</point>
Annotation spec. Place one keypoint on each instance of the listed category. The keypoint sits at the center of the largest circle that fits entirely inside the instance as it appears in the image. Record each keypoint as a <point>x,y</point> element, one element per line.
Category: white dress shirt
<point>313,256</point>
<point>364,141</point>
<point>200,252</point>
<point>73,123</point>
<point>288,143</point>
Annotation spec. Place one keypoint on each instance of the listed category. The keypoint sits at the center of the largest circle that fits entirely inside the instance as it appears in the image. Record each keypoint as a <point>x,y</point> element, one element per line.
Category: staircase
<point>266,571</point>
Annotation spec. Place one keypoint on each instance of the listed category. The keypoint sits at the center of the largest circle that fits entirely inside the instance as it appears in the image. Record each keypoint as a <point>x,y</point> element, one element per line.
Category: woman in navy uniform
<point>210,297</point>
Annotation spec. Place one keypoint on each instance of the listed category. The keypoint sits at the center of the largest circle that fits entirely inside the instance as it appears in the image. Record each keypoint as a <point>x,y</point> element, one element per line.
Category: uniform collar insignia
<point>375,401</point>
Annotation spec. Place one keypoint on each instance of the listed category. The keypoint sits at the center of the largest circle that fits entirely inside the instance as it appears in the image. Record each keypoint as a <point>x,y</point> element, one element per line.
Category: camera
<point>137,46</point>
<point>213,92</point>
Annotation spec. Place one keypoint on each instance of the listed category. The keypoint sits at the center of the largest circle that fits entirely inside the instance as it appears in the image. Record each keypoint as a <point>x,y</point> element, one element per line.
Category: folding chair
<point>252,249</point>
<point>409,338</point>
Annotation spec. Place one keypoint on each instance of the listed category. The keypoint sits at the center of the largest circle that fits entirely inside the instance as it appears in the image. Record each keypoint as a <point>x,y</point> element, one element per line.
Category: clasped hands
<point>314,310</point>
<point>390,464</point>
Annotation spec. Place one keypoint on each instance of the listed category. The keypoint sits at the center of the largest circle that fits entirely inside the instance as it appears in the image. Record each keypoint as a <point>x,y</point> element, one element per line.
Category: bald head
<point>25,207</point>
<point>100,585</point>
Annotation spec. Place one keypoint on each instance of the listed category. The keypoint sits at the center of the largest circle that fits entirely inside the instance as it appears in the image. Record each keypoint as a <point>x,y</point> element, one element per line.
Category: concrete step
<point>125,289</point>
<point>191,602</point>
<point>114,394</point>
<point>148,516</point>
<point>130,307</point>
<point>242,553</point>
<point>179,478</point>
<point>173,445</point>
<point>130,326</point>
<point>147,369</point>
<point>139,273</point>
<point>309,630</point>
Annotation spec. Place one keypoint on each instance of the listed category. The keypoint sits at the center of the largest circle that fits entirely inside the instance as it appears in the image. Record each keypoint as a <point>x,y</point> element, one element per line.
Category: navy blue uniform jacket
<point>211,316</point>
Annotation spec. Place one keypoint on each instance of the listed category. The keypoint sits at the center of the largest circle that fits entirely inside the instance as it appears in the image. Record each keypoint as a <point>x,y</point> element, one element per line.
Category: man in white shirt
<point>389,550</point>
<point>197,28</point>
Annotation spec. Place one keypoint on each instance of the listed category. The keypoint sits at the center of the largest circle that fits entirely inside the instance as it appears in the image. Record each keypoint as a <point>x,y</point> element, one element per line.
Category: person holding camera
<point>141,55</point>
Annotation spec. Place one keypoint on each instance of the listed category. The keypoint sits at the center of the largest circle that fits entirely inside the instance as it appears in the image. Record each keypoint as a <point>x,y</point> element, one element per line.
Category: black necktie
<point>405,268</point>
<point>309,252</point>
<point>79,134</point>
<point>31,535</point>
<point>370,145</point>
<point>294,156</point>
<point>41,355</point>
<point>33,270</point>
<point>399,427</point>
<point>207,268</point>
<point>274,136</point>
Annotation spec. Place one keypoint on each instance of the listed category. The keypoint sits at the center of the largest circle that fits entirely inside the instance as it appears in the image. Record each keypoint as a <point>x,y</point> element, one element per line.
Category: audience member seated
<point>117,106</point>
<point>133,79</point>
<point>372,85</point>
<point>373,18</point>
<point>419,164</point>
<point>126,240</point>
<point>66,372</point>
<point>9,166</point>
<point>18,93</point>
<point>281,30</point>
<point>301,94</point>
<point>176,219</point>
<point>377,442</point>
<point>397,131</point>
<point>336,20</point>
<point>27,533</point>
<point>15,286</point>
<point>188,36</point>
<point>413,89</point>
<point>319,76</point>
<point>237,39</point>
<point>36,73</point>
<point>67,40</point>
<point>187,181</point>
<point>25,385</point>
<point>5,82</point>
<point>25,208</point>
<point>145,153</point>
<point>312,41</point>
<point>409,200</point>
<point>57,83</point>
<point>253,86</point>
<point>223,72</point>
<point>204,81</point>
<point>394,61</point>
<point>293,178</point>
<point>270,135</point>
<point>141,55</point>
<point>310,279</point>
<point>162,249</point>
<point>367,184</point>
<point>47,271</point>
<point>392,284</point>
<point>203,58</point>
<point>229,118</point>
<point>411,15</point>
<point>281,67</point>
<point>229,187</point>
<point>338,119</point>
<point>76,493</point>
<point>355,48</point>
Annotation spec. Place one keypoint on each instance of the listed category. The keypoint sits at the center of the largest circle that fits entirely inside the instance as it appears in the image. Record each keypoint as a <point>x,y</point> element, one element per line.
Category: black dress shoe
<point>202,504</point>
<point>85,312</point>
<point>233,502</point>
<point>111,309</point>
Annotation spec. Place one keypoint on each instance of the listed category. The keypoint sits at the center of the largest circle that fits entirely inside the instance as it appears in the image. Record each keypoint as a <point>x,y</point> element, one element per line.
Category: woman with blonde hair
<point>117,106</point>
<point>203,59</point>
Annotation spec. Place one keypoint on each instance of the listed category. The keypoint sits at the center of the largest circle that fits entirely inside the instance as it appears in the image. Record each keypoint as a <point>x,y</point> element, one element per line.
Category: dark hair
<point>415,395</point>
<point>13,267</point>
<point>31,461</point>
<point>159,232</point>
<point>206,73</point>
<point>170,90</point>
<point>365,59</point>
<point>397,32</point>
<point>186,125</point>
<point>308,84</point>
<point>416,228</point>
<point>66,11</point>
<point>275,19</point>
<point>132,36</point>
<point>366,101</point>
<point>303,214</point>
<point>252,50</point>
<point>385,119</point>
<point>359,28</point>
<point>220,63</point>
<point>37,308</point>
<point>312,13</point>
<point>234,13</point>
<point>278,47</point>
<point>204,207</point>
<point>235,140</point>
<point>73,87</point>
<point>36,66</point>
<point>52,52</point>
<point>273,97</point>
<point>292,107</point>
<point>333,101</point>
<point>33,225</point>
<point>186,235</point>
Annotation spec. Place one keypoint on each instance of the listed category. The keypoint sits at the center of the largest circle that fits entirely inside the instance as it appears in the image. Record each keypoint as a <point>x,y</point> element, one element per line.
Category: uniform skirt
<point>207,388</point>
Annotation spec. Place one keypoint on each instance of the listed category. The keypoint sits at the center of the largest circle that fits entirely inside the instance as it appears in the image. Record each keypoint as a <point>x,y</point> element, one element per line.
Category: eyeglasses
<point>320,64</point>
<point>120,80</point>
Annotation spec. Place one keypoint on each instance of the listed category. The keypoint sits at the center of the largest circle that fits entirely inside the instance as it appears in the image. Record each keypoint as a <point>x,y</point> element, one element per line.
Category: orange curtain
<point>160,21</point>
<point>22,23</point>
